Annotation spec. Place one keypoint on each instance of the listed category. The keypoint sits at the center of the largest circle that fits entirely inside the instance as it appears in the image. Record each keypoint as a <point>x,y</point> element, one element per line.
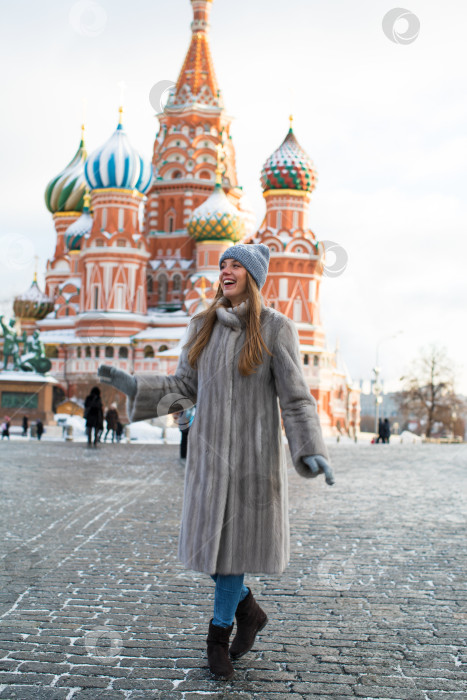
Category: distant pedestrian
<point>6,428</point>
<point>119,431</point>
<point>184,420</point>
<point>25,426</point>
<point>387,430</point>
<point>240,363</point>
<point>381,432</point>
<point>94,415</point>
<point>111,418</point>
<point>39,429</point>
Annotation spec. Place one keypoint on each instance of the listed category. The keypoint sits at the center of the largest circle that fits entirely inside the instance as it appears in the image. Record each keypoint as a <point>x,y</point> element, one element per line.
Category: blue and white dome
<point>118,164</point>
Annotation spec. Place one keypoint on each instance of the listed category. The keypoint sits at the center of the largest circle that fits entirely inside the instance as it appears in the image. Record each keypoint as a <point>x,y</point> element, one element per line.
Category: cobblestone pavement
<point>94,605</point>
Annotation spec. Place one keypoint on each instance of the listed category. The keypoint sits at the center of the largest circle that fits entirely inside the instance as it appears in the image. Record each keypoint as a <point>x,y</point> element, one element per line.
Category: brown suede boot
<point>250,620</point>
<point>218,652</point>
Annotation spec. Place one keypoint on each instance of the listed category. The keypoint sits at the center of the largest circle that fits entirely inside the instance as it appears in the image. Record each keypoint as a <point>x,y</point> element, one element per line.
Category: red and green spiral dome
<point>289,168</point>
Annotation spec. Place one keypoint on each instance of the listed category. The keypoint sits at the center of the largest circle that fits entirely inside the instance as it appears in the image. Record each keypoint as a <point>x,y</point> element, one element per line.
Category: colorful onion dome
<point>289,167</point>
<point>33,303</point>
<point>216,219</point>
<point>66,191</point>
<point>118,164</point>
<point>79,228</point>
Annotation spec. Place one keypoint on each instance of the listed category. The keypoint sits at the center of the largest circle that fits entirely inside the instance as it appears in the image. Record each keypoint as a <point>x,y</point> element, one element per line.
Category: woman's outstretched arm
<point>153,395</point>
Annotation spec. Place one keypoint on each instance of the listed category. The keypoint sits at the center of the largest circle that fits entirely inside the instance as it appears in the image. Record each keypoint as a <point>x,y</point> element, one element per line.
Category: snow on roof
<point>63,335</point>
<point>172,352</point>
<point>173,333</point>
<point>305,327</point>
<point>184,263</point>
<point>16,376</point>
<point>64,322</point>
<point>72,280</point>
<point>167,316</point>
<point>211,275</point>
<point>69,337</point>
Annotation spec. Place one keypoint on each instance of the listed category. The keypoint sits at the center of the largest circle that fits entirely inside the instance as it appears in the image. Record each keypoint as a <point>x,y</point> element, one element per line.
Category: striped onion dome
<point>33,303</point>
<point>118,164</point>
<point>289,168</point>
<point>79,228</point>
<point>65,192</point>
<point>216,219</point>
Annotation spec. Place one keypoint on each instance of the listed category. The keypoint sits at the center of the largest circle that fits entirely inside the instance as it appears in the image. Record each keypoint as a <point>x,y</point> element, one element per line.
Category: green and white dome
<point>66,191</point>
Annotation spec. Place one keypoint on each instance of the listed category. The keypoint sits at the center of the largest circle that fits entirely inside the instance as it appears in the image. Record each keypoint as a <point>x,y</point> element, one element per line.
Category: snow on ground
<point>163,432</point>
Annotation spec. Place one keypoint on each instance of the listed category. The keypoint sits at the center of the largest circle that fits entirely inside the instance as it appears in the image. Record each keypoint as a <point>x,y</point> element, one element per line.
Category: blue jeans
<point>230,590</point>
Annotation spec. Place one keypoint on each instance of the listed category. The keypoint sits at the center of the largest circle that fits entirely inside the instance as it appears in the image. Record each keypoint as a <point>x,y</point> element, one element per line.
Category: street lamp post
<point>65,374</point>
<point>378,387</point>
<point>377,390</point>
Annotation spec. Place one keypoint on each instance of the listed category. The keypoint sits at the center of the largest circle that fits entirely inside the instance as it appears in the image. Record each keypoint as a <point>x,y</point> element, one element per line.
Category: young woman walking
<point>240,363</point>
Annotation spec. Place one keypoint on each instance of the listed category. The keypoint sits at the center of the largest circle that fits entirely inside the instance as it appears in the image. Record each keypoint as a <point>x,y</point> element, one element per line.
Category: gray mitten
<point>319,465</point>
<point>119,379</point>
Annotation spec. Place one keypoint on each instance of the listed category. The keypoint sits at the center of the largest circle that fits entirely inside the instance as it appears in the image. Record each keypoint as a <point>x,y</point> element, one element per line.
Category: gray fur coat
<point>235,509</point>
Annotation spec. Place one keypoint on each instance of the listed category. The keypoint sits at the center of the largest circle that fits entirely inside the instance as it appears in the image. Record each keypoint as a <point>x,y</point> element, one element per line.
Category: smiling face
<point>233,281</point>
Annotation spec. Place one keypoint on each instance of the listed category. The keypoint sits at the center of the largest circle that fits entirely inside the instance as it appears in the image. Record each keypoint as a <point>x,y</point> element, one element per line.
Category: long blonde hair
<point>251,355</point>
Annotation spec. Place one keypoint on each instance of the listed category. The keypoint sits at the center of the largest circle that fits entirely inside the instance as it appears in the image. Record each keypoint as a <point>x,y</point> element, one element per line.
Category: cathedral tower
<point>113,255</point>
<point>192,125</point>
<point>288,178</point>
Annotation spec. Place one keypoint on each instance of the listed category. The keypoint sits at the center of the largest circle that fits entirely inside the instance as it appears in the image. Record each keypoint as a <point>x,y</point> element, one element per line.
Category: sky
<point>382,112</point>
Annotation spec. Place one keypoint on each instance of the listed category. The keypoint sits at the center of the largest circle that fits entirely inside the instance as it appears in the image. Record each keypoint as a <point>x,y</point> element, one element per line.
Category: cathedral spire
<point>201,11</point>
<point>197,83</point>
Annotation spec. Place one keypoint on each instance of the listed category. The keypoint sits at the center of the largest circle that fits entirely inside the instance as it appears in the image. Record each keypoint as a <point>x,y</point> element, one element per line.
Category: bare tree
<point>429,393</point>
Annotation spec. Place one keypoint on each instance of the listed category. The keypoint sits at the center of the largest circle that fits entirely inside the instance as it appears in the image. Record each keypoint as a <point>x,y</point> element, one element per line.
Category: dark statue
<point>33,357</point>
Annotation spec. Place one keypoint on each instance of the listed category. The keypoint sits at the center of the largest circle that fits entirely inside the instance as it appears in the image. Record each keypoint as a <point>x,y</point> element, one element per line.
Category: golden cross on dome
<point>291,121</point>
<point>122,85</point>
<point>36,260</point>
<point>83,121</point>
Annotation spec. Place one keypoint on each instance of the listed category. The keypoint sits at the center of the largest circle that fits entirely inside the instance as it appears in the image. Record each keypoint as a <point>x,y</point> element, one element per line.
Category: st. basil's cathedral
<point>138,245</point>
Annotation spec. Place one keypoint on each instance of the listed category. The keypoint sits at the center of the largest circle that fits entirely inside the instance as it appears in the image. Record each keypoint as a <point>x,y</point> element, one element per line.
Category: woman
<point>39,429</point>
<point>240,358</point>
<point>94,415</point>
<point>111,418</point>
<point>6,428</point>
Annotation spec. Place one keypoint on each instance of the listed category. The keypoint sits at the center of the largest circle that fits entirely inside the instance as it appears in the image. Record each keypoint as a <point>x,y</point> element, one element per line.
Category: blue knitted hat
<point>253,256</point>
